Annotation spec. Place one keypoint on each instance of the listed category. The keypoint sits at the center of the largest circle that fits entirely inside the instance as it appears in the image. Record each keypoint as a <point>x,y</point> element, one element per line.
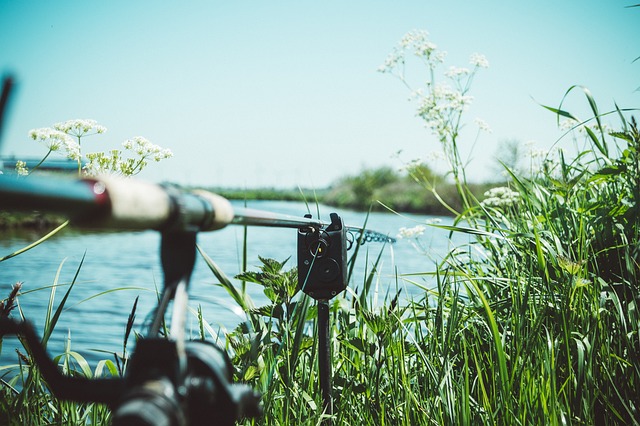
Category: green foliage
<point>25,398</point>
<point>553,290</point>
<point>419,190</point>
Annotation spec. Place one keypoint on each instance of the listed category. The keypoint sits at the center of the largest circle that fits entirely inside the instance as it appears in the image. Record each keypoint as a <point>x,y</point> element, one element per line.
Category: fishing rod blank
<point>130,204</point>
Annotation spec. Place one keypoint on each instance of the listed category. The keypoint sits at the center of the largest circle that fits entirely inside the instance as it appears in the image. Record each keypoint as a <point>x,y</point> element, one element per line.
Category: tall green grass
<point>534,321</point>
<point>25,398</point>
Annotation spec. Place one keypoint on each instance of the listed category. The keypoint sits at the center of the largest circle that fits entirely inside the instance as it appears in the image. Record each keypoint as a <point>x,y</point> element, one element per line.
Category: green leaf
<point>51,321</point>
<point>34,244</point>
<point>242,299</point>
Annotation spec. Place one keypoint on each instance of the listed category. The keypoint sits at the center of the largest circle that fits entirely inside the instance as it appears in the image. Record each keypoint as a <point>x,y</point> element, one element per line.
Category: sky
<point>286,93</point>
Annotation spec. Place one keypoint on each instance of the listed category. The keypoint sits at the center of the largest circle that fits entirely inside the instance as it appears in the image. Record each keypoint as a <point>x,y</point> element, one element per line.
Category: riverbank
<point>35,220</point>
<point>374,189</point>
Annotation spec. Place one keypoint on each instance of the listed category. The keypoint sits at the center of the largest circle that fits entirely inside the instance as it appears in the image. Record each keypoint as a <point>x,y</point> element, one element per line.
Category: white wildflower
<point>80,127</point>
<point>482,125</point>
<point>409,233</point>
<point>418,41</point>
<point>594,127</point>
<point>98,163</point>
<point>51,138</point>
<point>439,56</point>
<point>457,72</point>
<point>114,162</point>
<point>144,148</point>
<point>21,168</point>
<point>501,196</point>
<point>479,60</point>
<point>568,124</point>
<point>391,61</point>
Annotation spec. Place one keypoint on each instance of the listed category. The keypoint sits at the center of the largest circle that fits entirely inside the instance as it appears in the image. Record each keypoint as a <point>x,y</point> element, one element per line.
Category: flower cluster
<point>409,233</point>
<point>417,42</point>
<point>571,124</point>
<point>440,104</point>
<point>440,107</point>
<point>80,127</point>
<point>416,231</point>
<point>56,141</point>
<point>146,149</point>
<point>115,162</point>
<point>21,168</point>
<point>479,61</point>
<point>66,137</point>
<point>482,125</point>
<point>500,197</point>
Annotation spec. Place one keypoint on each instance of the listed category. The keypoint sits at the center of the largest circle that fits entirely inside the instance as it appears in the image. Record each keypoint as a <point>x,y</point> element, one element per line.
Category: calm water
<point>95,315</point>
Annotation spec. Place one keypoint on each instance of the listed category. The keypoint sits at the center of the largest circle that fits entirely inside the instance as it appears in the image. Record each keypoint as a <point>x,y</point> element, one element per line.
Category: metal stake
<point>324,358</point>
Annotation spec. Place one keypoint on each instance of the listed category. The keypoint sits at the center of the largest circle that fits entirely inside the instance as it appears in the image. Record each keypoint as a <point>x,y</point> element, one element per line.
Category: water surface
<point>118,267</point>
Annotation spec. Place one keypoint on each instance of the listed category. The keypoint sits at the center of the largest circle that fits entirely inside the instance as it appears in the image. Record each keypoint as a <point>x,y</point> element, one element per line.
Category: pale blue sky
<point>286,93</point>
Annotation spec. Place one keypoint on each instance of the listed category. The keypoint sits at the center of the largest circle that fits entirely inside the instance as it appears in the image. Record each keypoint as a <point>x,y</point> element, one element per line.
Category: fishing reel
<point>322,259</point>
<point>157,388</point>
<point>159,394</point>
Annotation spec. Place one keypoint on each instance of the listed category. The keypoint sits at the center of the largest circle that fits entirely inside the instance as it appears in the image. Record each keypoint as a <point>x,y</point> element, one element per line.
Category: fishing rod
<point>128,204</point>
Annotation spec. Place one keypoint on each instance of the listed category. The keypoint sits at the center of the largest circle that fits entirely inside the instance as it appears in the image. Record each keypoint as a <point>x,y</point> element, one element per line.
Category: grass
<point>534,321</point>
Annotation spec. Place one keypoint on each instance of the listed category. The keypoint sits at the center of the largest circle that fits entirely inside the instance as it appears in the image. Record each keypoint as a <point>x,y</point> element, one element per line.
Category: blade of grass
<point>53,320</point>
<point>243,300</point>
<point>36,243</point>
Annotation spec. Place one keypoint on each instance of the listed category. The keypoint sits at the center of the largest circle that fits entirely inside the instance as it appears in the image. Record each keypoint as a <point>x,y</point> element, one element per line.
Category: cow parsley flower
<point>479,60</point>
<point>457,72</point>
<point>409,233</point>
<point>501,196</point>
<point>116,162</point>
<point>80,127</point>
<point>482,125</point>
<point>51,138</point>
<point>21,168</point>
<point>144,148</point>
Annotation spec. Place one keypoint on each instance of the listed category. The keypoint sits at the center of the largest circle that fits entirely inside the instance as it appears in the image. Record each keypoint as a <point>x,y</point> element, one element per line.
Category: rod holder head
<point>322,259</point>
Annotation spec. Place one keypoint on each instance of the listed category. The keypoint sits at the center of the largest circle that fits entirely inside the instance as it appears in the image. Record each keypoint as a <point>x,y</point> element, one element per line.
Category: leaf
<point>466,230</point>
<point>622,135</point>
<point>242,299</point>
<point>111,367</point>
<point>272,311</point>
<point>560,112</point>
<point>51,321</point>
<point>32,245</point>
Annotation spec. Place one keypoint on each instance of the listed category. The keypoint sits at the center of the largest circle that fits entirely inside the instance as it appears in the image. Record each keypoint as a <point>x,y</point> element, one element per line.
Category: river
<point>118,267</point>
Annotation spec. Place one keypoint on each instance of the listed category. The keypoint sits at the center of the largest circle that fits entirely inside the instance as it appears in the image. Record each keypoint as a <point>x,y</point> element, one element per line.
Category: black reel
<point>157,389</point>
<point>159,396</point>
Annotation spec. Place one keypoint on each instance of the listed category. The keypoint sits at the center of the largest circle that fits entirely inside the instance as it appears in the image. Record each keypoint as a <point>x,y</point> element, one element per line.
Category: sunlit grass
<point>534,321</point>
